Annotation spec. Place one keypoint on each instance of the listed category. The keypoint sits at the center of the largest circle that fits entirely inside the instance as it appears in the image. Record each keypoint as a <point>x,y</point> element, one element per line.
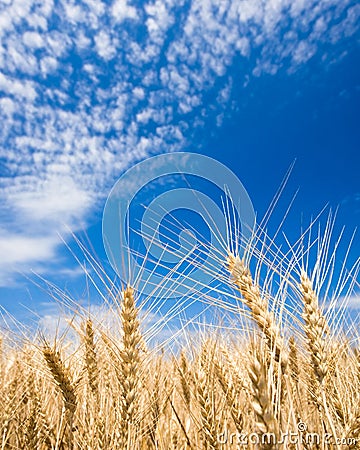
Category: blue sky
<point>88,88</point>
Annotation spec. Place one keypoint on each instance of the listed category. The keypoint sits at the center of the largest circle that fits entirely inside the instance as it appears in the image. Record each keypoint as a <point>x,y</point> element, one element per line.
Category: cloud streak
<point>86,89</point>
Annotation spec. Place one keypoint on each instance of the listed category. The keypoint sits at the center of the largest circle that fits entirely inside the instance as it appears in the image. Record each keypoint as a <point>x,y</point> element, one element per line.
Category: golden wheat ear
<point>231,386</point>
<point>315,328</point>
<point>91,363</point>
<point>204,382</point>
<point>130,361</point>
<point>258,305</point>
<point>262,385</point>
<point>63,381</point>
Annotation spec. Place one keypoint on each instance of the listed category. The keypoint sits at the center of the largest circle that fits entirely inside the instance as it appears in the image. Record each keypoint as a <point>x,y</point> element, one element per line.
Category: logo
<point>169,220</point>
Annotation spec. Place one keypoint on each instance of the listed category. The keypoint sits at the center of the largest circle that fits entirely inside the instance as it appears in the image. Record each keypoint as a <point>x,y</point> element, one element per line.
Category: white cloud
<point>74,12</point>
<point>303,52</point>
<point>48,65</point>
<point>348,26</point>
<point>96,6</point>
<point>36,217</point>
<point>122,9</point>
<point>21,249</point>
<point>353,302</point>
<point>248,11</point>
<point>104,45</point>
<point>56,200</point>
<point>23,90</point>
<point>57,43</point>
<point>159,19</point>
<point>82,41</point>
<point>7,106</point>
<point>139,93</point>
<point>33,39</point>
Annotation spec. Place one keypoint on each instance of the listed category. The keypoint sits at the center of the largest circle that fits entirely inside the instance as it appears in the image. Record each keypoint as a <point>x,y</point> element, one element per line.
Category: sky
<point>89,88</point>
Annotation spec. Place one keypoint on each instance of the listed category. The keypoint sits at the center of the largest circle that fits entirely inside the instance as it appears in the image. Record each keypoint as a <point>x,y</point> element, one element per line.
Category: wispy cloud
<point>353,302</point>
<point>88,88</point>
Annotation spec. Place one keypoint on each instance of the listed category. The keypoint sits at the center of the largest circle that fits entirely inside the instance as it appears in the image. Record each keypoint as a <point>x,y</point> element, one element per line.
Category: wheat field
<point>287,375</point>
